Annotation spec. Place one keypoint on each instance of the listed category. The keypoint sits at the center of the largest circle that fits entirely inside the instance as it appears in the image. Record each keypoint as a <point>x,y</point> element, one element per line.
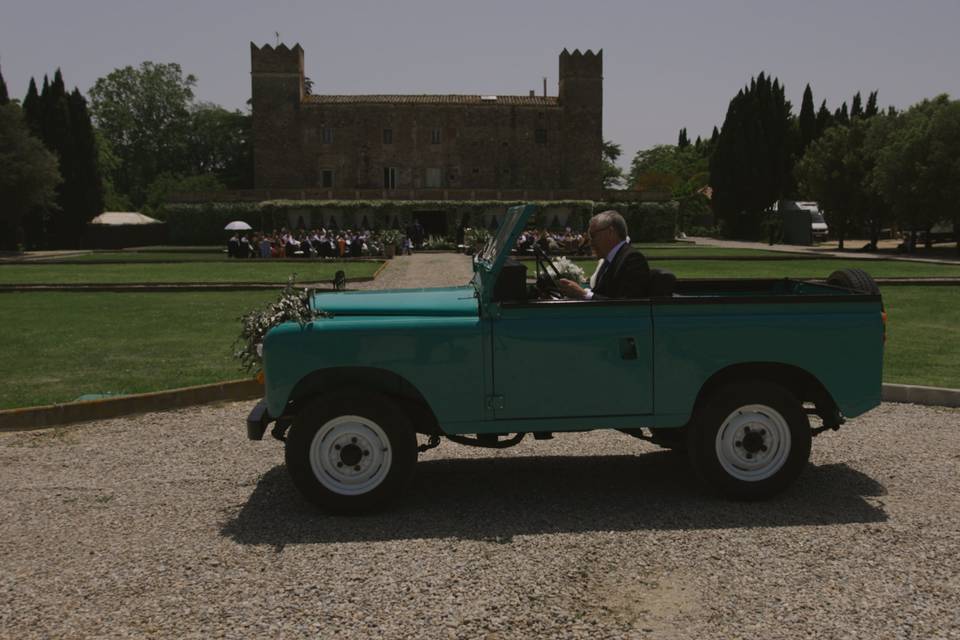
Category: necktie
<point>602,271</point>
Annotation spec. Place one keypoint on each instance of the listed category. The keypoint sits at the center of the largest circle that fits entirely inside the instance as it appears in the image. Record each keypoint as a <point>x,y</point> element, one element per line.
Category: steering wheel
<point>546,283</point>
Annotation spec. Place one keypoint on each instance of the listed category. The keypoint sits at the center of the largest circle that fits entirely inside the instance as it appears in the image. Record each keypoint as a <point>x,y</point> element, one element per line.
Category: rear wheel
<point>351,452</point>
<point>750,440</point>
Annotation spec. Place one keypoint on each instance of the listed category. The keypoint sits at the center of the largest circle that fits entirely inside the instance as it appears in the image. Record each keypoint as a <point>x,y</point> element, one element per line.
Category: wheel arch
<point>324,381</point>
<point>795,379</point>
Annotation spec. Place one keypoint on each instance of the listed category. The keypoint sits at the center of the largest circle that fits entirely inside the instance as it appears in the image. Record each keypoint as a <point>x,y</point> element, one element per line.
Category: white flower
<point>569,269</point>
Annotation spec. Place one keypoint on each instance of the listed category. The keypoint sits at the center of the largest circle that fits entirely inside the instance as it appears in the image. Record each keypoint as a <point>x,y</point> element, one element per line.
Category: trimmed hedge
<point>201,224</point>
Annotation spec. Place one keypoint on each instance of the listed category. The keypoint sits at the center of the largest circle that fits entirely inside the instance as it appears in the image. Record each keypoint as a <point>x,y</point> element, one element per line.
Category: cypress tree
<point>856,107</point>
<point>31,108</point>
<point>4,96</point>
<point>841,116</point>
<point>824,119</point>
<point>871,109</point>
<point>683,141</point>
<point>57,136</point>
<point>807,120</point>
<point>88,189</point>
<point>752,164</point>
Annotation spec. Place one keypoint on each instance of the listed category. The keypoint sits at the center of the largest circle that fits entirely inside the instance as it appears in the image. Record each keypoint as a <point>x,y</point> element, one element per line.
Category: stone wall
<point>500,143</point>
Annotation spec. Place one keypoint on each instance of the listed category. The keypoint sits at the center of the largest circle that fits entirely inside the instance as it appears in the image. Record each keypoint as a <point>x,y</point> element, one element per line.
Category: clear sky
<point>667,65</point>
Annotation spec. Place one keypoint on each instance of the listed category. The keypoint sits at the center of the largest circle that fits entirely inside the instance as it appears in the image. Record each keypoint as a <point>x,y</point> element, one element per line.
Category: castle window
<point>327,136</point>
<point>389,177</point>
<point>388,136</point>
<point>435,136</point>
<point>434,178</point>
<point>540,136</point>
<point>326,178</point>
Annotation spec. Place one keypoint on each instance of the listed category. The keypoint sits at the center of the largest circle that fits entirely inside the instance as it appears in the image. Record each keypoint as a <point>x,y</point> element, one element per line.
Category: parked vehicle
<point>802,221</point>
<point>730,370</point>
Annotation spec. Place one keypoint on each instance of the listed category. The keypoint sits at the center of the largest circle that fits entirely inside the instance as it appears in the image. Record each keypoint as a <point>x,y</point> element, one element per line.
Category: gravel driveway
<point>174,525</point>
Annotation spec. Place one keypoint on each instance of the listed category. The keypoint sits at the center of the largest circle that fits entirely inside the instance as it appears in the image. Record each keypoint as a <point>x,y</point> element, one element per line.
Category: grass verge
<point>792,268</point>
<point>192,272</point>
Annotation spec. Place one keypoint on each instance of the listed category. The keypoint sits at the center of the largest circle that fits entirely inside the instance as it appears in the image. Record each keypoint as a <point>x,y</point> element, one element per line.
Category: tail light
<point>883,319</point>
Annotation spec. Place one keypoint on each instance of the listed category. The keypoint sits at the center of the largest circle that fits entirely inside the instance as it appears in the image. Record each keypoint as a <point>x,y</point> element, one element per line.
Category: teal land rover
<point>729,370</point>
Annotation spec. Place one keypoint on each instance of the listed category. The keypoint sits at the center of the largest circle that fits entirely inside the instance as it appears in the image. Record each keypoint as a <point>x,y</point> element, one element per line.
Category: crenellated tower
<point>581,98</point>
<point>277,94</point>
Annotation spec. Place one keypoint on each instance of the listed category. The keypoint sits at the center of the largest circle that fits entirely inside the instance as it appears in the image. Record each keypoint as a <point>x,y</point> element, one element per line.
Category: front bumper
<point>257,421</point>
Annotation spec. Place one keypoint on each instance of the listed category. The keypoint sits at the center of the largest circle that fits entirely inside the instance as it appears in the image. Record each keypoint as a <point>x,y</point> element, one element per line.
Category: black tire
<point>755,454</point>
<point>351,451</point>
<point>854,279</point>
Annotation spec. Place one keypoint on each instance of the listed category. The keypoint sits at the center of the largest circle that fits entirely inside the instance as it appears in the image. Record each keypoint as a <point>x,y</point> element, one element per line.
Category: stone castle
<point>473,145</point>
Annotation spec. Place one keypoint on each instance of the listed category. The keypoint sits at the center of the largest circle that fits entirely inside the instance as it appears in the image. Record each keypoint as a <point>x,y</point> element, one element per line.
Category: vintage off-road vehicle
<point>729,370</point>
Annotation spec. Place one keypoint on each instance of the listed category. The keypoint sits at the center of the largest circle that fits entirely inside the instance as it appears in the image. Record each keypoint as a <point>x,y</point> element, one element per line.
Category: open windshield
<point>488,262</point>
<point>499,241</point>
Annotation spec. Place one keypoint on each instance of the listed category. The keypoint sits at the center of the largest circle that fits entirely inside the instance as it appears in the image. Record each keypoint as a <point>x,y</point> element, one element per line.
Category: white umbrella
<point>237,225</point>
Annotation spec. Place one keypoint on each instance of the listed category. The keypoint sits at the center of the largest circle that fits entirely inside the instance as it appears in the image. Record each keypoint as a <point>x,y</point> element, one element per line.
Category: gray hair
<point>611,218</point>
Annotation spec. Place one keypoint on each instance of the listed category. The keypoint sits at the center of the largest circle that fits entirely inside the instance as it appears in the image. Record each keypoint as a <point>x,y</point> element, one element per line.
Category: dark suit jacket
<point>628,276</point>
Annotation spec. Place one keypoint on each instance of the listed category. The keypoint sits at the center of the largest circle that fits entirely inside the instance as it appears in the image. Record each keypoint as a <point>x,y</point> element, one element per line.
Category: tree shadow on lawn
<point>497,498</point>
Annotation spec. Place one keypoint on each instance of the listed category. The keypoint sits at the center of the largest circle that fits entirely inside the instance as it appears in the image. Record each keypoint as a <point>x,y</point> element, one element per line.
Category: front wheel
<point>751,440</point>
<point>351,452</point>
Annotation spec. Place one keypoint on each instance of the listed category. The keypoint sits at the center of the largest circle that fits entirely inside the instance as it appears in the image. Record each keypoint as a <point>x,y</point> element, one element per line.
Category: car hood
<point>446,301</point>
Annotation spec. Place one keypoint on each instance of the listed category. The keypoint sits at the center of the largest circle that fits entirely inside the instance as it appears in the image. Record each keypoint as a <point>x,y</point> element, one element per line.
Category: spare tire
<point>854,279</point>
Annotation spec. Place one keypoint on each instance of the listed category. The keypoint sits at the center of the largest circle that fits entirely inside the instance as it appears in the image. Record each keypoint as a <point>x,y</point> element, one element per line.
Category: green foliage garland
<point>293,305</point>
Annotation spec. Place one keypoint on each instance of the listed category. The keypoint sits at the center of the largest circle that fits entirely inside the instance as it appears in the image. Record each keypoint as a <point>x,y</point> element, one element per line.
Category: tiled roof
<point>530,101</point>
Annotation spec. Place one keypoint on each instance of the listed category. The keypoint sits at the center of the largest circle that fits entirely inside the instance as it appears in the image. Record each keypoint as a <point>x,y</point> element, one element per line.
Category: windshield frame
<point>488,263</point>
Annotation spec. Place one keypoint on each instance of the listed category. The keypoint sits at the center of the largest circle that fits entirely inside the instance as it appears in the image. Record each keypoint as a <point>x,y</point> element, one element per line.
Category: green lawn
<point>59,346</point>
<point>792,268</point>
<point>923,336</point>
<point>196,272</point>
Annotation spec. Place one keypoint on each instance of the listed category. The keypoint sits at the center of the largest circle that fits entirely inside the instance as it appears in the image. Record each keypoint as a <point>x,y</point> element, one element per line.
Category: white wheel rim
<point>350,455</point>
<point>753,443</point>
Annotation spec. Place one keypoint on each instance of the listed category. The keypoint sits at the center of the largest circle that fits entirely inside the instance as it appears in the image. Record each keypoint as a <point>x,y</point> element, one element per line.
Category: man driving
<point>624,273</point>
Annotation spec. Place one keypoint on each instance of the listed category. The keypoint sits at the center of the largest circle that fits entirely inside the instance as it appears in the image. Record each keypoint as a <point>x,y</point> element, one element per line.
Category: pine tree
<point>856,107</point>
<point>683,141</point>
<point>871,109</point>
<point>4,96</point>
<point>807,120</point>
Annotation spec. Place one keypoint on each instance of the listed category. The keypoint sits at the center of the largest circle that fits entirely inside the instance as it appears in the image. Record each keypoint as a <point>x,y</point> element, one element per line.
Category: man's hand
<point>571,289</point>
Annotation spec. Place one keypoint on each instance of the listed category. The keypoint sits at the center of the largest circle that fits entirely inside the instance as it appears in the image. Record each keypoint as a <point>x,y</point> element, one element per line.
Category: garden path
<point>422,270</point>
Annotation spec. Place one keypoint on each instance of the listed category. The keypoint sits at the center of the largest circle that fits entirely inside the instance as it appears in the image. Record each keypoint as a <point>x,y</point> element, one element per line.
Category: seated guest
<point>265,250</point>
<point>291,248</point>
<point>244,249</point>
